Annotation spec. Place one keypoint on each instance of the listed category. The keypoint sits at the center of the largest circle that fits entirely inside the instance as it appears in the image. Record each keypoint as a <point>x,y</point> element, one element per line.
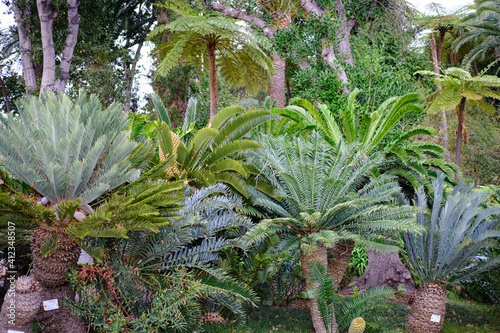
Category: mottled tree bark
<point>29,73</point>
<point>47,13</point>
<point>318,255</point>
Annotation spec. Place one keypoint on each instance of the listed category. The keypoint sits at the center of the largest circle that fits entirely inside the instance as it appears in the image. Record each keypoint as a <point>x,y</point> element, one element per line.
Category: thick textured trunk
<point>318,255</point>
<point>428,309</point>
<point>61,320</point>
<point>29,73</point>
<point>4,92</point>
<point>212,80</point>
<point>385,269</point>
<point>20,306</point>
<point>341,255</point>
<point>460,129</point>
<point>69,46</point>
<point>278,84</point>
<point>50,271</point>
<point>47,14</point>
<point>436,62</point>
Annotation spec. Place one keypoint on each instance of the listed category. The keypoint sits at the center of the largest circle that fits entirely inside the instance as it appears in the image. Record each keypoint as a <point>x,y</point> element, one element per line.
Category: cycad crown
<point>67,149</point>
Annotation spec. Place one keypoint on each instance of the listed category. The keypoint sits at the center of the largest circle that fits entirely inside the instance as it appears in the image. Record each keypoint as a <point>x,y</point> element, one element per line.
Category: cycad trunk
<point>212,79</point>
<point>428,309</point>
<point>318,255</point>
<point>278,84</point>
<point>50,271</point>
<point>341,253</point>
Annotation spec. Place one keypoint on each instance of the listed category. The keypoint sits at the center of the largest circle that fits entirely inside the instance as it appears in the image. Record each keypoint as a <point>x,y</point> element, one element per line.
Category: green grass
<point>388,317</point>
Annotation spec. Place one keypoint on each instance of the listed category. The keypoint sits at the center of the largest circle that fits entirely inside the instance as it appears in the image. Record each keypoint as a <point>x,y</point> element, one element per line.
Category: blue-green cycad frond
<point>67,149</point>
<point>459,228</point>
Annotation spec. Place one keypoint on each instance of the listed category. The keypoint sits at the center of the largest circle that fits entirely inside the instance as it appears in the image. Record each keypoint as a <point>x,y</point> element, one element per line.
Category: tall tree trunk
<point>460,128</point>
<point>47,14</point>
<point>428,310</point>
<point>212,79</point>
<point>436,63</point>
<point>278,84</point>
<point>341,255</point>
<point>330,58</point>
<point>4,92</point>
<point>29,73</point>
<point>318,255</point>
<point>69,46</point>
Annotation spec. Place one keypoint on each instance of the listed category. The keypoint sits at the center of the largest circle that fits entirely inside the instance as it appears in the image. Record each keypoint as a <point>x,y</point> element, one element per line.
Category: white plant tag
<point>51,304</point>
<point>435,318</point>
<point>12,331</point>
<point>310,293</point>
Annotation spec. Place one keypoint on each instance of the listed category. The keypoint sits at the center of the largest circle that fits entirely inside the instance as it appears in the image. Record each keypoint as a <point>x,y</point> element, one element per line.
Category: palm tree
<point>483,28</point>
<point>212,154</point>
<point>212,43</point>
<point>70,153</point>
<point>326,194</point>
<point>458,89</point>
<point>457,232</point>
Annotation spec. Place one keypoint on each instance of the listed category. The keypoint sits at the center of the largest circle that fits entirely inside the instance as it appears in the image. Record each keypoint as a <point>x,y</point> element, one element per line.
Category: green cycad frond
<point>66,149</point>
<point>213,153</point>
<point>459,228</point>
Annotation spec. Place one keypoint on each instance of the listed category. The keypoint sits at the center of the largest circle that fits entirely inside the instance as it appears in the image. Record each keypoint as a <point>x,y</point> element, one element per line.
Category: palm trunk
<point>341,253</point>
<point>318,255</point>
<point>460,128</point>
<point>4,92</point>
<point>428,309</point>
<point>277,86</point>
<point>212,79</point>
<point>436,56</point>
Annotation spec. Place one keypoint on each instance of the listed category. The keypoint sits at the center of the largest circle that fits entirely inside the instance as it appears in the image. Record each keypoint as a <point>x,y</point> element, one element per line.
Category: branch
<point>311,6</point>
<point>69,46</point>
<point>240,15</point>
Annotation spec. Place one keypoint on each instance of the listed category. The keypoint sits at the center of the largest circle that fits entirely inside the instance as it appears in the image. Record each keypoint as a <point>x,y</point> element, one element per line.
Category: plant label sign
<point>51,304</point>
<point>435,318</point>
<point>12,331</point>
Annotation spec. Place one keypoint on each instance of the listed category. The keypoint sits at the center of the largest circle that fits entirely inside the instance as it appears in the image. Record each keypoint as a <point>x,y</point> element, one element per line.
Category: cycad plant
<point>216,42</point>
<point>325,194</point>
<point>162,275</point>
<point>213,154</point>
<point>458,229</point>
<point>70,153</point>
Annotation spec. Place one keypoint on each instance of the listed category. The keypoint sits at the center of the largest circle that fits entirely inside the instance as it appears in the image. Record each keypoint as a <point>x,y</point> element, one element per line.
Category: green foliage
<point>458,231</point>
<point>326,193</point>
<point>359,260</point>
<point>67,149</point>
